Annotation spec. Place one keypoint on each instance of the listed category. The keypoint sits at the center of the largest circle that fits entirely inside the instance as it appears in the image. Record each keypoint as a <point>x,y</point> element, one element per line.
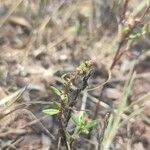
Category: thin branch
<point>77,93</point>
<point>62,129</point>
<point>124,36</point>
<point>125,8</point>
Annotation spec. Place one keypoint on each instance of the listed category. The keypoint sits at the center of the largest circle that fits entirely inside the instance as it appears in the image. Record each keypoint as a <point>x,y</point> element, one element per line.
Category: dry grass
<point>42,39</point>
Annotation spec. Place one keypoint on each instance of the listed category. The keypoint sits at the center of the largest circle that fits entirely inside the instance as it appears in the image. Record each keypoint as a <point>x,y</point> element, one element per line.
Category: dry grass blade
<point>84,100</point>
<point>135,113</point>
<point>37,122</point>
<point>13,8</point>
<point>12,132</point>
<point>139,8</point>
<point>139,101</point>
<point>115,121</point>
<point>17,20</point>
<point>10,99</point>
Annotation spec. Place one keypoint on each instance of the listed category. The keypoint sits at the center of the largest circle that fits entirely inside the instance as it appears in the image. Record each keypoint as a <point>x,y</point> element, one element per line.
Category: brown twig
<point>62,129</point>
<point>77,93</point>
<point>115,59</point>
<point>124,36</point>
<point>126,2</point>
<point>61,124</point>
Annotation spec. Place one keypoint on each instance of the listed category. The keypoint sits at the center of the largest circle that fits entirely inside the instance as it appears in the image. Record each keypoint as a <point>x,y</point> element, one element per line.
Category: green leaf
<point>83,117</point>
<point>56,91</point>
<point>68,136</point>
<point>64,97</point>
<point>90,124</point>
<point>64,77</point>
<point>86,131</point>
<point>75,119</point>
<point>146,29</point>
<point>11,99</point>
<point>134,35</point>
<point>56,105</point>
<point>51,111</point>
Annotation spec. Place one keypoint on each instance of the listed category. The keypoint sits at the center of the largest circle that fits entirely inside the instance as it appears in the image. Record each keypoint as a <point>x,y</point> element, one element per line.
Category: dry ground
<point>42,39</point>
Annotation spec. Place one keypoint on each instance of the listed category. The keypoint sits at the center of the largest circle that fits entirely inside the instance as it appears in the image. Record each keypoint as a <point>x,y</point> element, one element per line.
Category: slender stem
<point>77,93</point>
<point>124,36</point>
<point>61,128</point>
<point>125,8</point>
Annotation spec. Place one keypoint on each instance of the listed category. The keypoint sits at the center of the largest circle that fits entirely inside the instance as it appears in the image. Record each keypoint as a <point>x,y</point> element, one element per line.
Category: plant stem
<point>61,128</point>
